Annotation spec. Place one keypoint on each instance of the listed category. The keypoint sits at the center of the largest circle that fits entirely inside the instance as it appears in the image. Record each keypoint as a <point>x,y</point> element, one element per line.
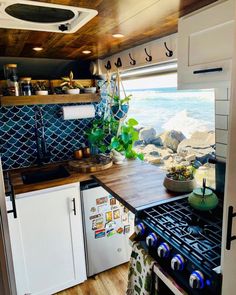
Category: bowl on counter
<point>179,186</point>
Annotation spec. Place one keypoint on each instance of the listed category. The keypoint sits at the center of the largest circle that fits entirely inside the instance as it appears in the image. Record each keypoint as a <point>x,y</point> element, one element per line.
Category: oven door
<point>166,284</point>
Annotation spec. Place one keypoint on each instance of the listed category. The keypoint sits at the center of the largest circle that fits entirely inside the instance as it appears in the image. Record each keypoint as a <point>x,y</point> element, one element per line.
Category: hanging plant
<point>124,142</point>
<point>119,106</point>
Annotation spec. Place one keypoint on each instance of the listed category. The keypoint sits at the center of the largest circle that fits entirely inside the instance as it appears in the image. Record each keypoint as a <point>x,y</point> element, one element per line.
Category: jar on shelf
<point>26,87</point>
<point>10,73</point>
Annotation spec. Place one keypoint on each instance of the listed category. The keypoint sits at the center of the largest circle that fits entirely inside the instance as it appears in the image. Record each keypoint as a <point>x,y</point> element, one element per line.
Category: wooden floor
<point>110,282</point>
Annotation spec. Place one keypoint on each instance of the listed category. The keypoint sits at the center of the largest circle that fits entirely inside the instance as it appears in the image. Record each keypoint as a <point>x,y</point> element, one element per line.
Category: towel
<point>141,278</point>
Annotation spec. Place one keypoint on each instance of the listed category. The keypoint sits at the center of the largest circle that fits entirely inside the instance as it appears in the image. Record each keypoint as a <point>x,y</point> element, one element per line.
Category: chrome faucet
<point>43,155</point>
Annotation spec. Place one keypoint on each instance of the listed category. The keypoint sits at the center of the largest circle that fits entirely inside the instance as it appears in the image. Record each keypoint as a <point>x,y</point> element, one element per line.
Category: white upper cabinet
<point>47,240</point>
<point>205,47</point>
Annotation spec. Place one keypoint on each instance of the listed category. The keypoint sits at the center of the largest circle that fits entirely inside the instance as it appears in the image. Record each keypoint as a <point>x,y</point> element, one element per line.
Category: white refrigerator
<point>108,226</point>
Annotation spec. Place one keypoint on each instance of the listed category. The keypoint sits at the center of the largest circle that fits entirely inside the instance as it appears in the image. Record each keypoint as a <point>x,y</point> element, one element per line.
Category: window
<point>159,107</point>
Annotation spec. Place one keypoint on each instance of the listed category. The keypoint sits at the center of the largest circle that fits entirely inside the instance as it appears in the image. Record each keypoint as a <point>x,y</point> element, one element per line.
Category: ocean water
<point>166,109</point>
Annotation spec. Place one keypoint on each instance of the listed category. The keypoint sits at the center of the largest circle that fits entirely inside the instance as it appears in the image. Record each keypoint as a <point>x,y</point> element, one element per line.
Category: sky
<point>160,81</point>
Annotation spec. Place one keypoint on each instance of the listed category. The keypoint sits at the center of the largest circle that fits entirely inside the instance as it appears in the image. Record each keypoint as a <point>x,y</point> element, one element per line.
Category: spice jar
<point>10,73</point>
<point>26,87</point>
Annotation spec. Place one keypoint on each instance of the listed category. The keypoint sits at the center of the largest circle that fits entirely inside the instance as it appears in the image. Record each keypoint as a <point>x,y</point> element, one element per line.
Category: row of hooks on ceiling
<point>148,58</point>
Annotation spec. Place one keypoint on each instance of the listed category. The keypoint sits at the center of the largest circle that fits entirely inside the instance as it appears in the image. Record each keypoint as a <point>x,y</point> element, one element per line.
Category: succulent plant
<point>69,83</point>
<point>181,173</point>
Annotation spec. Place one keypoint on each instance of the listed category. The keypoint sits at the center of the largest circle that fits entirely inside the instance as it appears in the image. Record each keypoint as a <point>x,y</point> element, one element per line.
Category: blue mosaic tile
<point>17,139</point>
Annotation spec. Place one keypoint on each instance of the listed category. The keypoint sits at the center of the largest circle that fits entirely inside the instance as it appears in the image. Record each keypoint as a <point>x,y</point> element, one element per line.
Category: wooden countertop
<point>134,183</point>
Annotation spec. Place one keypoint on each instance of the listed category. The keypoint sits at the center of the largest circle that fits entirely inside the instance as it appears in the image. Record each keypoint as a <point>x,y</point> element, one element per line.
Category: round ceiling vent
<point>39,14</point>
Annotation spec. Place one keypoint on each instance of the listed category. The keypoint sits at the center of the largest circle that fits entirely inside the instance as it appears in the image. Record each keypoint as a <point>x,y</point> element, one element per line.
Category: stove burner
<point>196,233</point>
<point>195,230</point>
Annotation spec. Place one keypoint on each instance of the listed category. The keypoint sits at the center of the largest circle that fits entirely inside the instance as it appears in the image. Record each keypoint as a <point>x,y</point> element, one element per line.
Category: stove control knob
<point>196,280</point>
<point>163,250</point>
<point>177,262</point>
<point>140,229</point>
<point>151,240</point>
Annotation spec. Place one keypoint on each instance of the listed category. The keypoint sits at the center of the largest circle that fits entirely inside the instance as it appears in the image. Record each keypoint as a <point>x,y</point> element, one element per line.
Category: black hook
<point>108,65</point>
<point>149,57</point>
<point>118,64</point>
<point>170,52</point>
<point>133,61</point>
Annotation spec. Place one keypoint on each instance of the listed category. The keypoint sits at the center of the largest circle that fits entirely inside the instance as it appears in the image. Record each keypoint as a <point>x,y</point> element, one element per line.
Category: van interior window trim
<point>146,71</point>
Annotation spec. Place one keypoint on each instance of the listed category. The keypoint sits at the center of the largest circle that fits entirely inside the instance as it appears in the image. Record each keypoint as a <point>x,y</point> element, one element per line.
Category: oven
<point>186,244</point>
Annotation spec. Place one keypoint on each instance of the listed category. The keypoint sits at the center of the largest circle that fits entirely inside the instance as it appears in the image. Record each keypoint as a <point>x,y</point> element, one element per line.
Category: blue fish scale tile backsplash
<point>17,133</point>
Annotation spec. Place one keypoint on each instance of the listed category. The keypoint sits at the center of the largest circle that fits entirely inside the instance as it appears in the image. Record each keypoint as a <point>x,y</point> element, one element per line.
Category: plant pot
<point>90,90</point>
<point>73,91</point>
<point>120,111</point>
<point>41,92</point>
<point>183,186</point>
<point>117,157</point>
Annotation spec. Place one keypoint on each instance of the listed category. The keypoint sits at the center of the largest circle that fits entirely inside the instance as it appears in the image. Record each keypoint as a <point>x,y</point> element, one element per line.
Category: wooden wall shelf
<point>49,99</point>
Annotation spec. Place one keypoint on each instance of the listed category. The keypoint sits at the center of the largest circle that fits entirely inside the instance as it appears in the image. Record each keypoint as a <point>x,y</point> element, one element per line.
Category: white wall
<point>222,99</point>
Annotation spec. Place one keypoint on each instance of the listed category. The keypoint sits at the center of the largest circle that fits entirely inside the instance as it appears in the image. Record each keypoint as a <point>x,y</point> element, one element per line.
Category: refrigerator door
<point>7,277</point>
<point>108,225</point>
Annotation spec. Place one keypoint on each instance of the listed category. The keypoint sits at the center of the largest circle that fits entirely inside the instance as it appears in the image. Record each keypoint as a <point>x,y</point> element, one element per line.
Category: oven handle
<point>229,237</point>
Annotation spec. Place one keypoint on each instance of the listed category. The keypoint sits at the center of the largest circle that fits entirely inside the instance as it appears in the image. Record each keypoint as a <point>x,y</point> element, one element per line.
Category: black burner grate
<point>196,233</point>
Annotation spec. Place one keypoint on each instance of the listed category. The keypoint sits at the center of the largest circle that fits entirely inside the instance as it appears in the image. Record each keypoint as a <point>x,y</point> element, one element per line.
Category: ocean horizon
<point>168,108</point>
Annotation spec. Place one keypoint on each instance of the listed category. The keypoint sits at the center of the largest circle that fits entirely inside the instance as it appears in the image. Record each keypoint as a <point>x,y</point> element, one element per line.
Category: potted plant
<point>120,106</point>
<point>124,142</point>
<point>71,86</point>
<point>180,179</point>
<point>41,88</point>
<point>99,134</point>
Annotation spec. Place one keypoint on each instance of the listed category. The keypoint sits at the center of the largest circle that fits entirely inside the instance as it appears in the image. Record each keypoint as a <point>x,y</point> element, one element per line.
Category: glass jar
<point>10,73</point>
<point>26,87</point>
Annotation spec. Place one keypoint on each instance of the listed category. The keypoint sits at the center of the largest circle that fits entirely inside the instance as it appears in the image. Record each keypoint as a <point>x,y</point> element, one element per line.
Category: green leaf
<point>140,282</point>
<point>137,289</point>
<point>132,122</point>
<point>147,284</point>
<point>135,135</point>
<point>125,137</point>
<point>140,156</point>
<point>139,267</point>
<point>115,143</point>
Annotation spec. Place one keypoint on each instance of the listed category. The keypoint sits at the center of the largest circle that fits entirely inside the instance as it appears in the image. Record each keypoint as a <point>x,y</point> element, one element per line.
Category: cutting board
<point>92,164</point>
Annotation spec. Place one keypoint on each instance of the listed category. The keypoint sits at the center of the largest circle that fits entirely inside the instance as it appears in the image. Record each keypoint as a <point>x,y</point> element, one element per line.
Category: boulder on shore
<point>147,134</point>
<point>171,139</point>
<point>201,144</point>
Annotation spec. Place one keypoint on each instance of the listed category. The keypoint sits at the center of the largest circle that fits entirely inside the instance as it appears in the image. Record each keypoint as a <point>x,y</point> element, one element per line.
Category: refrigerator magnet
<point>99,233</point>
<point>102,208</point>
<point>95,216</point>
<point>112,201</point>
<point>126,229</point>
<point>116,214</point>
<point>109,216</point>
<point>120,230</point>
<point>111,232</point>
<point>110,224</point>
<point>99,223</point>
<point>101,201</point>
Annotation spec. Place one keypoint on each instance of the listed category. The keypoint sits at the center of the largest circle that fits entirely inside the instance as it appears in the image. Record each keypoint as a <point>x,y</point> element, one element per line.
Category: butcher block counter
<point>135,183</point>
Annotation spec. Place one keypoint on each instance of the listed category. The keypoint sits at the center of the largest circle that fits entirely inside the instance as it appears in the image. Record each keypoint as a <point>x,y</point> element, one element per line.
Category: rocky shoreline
<point>172,148</point>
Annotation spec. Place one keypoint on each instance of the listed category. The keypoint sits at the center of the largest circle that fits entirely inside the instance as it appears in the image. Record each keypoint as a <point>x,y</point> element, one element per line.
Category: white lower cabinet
<point>47,240</point>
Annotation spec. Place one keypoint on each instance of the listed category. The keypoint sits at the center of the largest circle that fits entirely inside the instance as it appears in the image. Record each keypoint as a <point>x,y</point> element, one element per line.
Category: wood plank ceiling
<point>139,22</point>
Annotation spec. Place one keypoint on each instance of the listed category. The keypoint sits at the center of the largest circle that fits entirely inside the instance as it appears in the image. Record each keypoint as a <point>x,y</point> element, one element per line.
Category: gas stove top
<point>185,241</point>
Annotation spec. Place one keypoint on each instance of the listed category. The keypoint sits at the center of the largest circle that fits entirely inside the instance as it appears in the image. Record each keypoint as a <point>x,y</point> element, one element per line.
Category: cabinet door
<point>47,241</point>
<point>228,261</point>
<point>205,47</point>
